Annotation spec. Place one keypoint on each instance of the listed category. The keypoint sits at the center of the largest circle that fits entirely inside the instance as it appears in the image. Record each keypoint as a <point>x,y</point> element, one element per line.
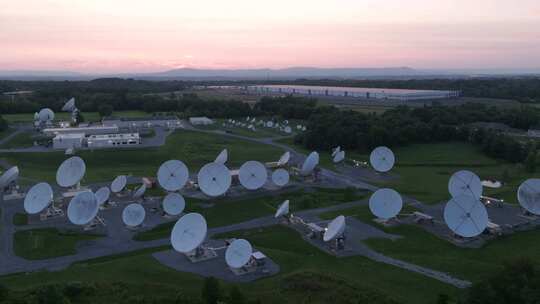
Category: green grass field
<point>343,278</point>
<point>193,148</point>
<point>88,116</point>
<point>46,243</point>
<point>21,140</point>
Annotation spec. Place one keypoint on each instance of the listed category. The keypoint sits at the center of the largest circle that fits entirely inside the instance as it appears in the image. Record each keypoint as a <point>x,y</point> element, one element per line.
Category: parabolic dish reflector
<point>69,105</point>
<point>9,176</point>
<point>283,209</point>
<point>528,195</point>
<point>140,191</point>
<point>83,208</point>
<point>38,198</point>
<point>173,204</point>
<point>339,157</point>
<point>310,163</point>
<point>222,157</point>
<point>214,179</point>
<point>466,216</point>
<point>269,124</point>
<point>189,232</point>
<point>172,175</point>
<point>133,215</point>
<point>335,229</point>
<point>382,159</point>
<point>46,115</point>
<point>336,150</point>
<point>385,203</point>
<point>119,183</point>
<point>465,183</point>
<point>284,159</point>
<point>70,172</point>
<point>287,130</point>
<point>238,253</point>
<point>102,195</point>
<point>280,177</point>
<point>252,175</point>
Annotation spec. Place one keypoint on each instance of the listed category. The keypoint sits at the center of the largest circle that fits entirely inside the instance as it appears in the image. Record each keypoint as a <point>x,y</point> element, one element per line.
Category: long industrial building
<point>352,92</point>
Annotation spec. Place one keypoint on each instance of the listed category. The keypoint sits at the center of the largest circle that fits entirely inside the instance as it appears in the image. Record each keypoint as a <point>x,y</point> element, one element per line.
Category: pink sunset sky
<point>154,35</point>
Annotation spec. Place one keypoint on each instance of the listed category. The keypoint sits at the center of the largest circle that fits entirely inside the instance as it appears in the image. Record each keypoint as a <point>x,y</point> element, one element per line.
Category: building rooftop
<point>145,118</point>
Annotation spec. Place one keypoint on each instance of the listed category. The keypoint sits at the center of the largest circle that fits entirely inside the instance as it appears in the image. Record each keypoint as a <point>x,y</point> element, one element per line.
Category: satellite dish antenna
<point>465,183</point>
<point>269,124</point>
<point>140,191</point>
<point>304,128</point>
<point>69,105</point>
<point>119,183</point>
<point>238,253</point>
<point>287,130</point>
<point>385,203</point>
<point>252,175</point>
<point>38,198</point>
<point>214,179</point>
<point>382,159</point>
<point>335,229</point>
<point>172,175</point>
<point>466,216</point>
<point>82,208</point>
<point>283,209</point>
<point>189,232</point>
<point>280,177</point>
<point>284,159</point>
<point>70,172</point>
<point>174,204</point>
<point>133,215</point>
<point>222,157</point>
<point>9,177</point>
<point>102,195</point>
<point>46,115</point>
<point>339,157</point>
<point>310,163</point>
<point>336,151</point>
<point>528,195</point>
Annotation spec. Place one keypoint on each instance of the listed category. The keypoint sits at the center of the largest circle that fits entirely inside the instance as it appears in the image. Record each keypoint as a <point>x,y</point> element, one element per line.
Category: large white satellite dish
<point>172,175</point>
<point>382,159</point>
<point>280,177</point>
<point>38,198</point>
<point>173,204</point>
<point>9,176</point>
<point>133,215</point>
<point>269,124</point>
<point>222,157</point>
<point>466,216</point>
<point>214,179</point>
<point>465,183</point>
<point>119,183</point>
<point>70,172</point>
<point>336,150</point>
<point>189,232</point>
<point>238,253</point>
<point>140,191</point>
<point>46,115</point>
<point>252,175</point>
<point>82,208</point>
<point>69,106</point>
<point>102,195</point>
<point>284,159</point>
<point>310,163</point>
<point>528,195</point>
<point>283,209</point>
<point>287,130</point>
<point>335,229</point>
<point>385,203</point>
<point>339,157</point>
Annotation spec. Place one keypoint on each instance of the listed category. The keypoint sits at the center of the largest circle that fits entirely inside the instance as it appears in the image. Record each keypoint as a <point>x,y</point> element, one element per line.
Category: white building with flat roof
<point>136,123</point>
<point>68,141</point>
<point>88,130</point>
<point>200,121</point>
<point>113,140</point>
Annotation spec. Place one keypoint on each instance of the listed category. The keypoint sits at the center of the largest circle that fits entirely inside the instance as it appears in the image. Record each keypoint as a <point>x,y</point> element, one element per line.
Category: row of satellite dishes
<point>252,123</point>
<point>46,115</point>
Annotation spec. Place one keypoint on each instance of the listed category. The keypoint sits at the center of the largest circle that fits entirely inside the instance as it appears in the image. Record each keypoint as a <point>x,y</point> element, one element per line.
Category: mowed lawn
<point>343,278</point>
<point>193,148</point>
<point>20,140</point>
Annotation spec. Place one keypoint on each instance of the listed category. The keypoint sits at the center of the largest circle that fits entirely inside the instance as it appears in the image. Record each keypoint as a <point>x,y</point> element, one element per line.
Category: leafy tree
<point>105,110</point>
<point>211,291</point>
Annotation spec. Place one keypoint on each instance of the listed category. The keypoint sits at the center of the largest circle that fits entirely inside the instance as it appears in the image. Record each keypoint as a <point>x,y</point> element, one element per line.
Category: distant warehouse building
<point>200,121</point>
<point>68,141</point>
<point>171,122</point>
<point>113,140</point>
<point>352,92</point>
